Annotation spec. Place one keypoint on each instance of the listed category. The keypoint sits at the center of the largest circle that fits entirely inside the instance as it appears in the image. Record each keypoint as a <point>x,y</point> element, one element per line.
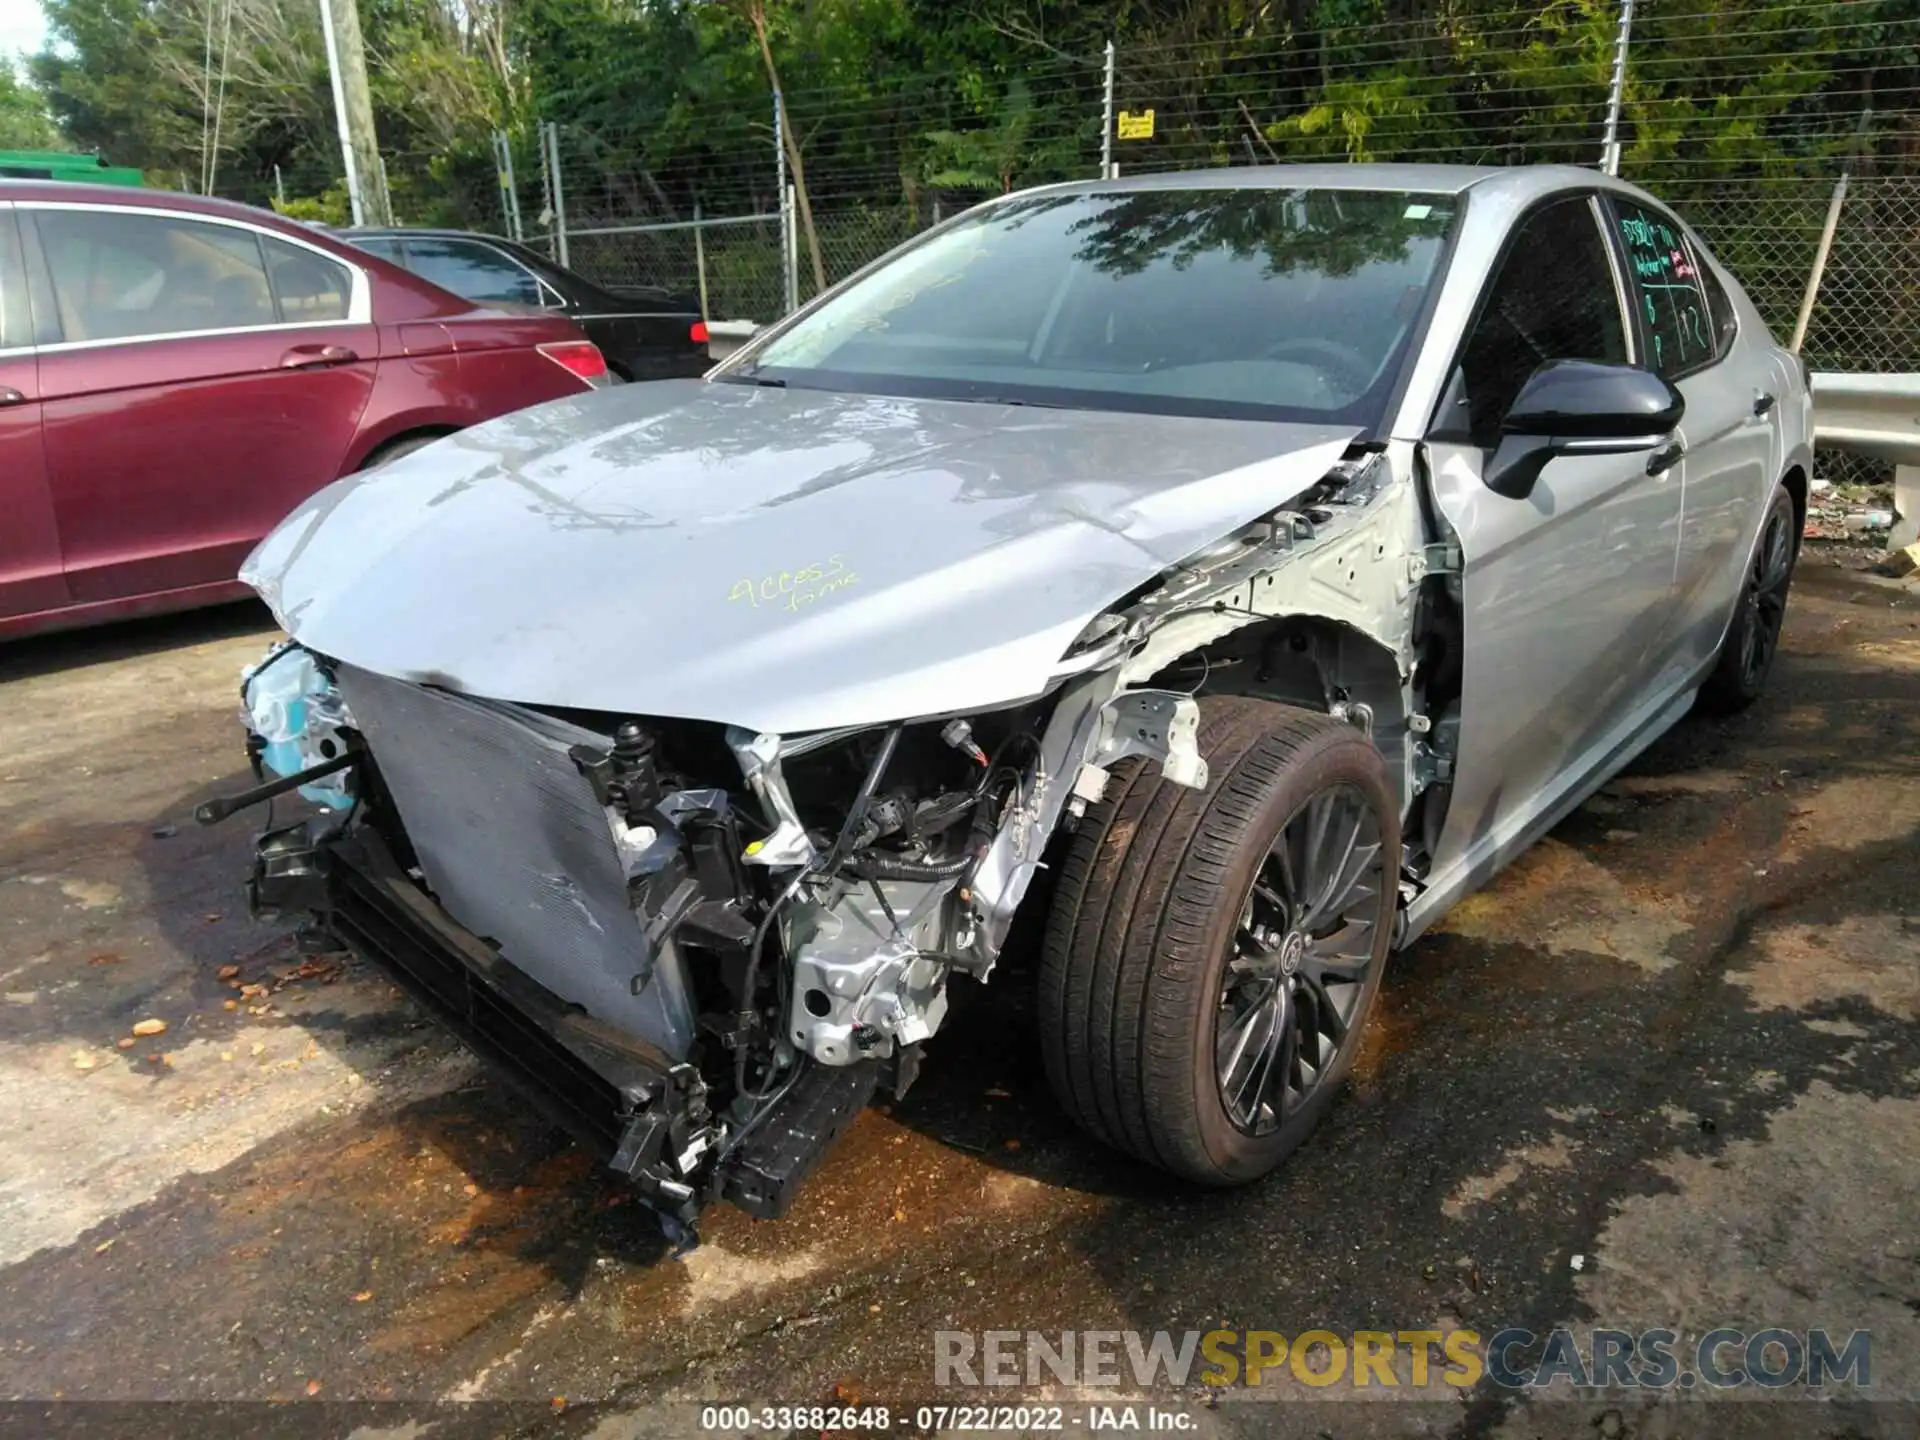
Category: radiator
<point>515,847</point>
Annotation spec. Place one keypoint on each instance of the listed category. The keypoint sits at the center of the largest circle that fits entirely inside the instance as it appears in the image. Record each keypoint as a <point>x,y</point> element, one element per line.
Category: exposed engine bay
<point>704,948</point>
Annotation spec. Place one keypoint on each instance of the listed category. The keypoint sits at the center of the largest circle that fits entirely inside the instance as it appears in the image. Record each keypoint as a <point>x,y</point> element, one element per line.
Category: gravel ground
<point>1665,1072</point>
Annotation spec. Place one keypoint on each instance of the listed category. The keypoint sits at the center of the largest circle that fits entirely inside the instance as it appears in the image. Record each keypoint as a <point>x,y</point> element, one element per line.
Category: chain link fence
<point>1868,313</point>
<point>737,260</point>
<point>1739,117</point>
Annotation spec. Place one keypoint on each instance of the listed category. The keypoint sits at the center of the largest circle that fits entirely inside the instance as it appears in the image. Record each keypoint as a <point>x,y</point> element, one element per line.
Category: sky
<point>22,27</point>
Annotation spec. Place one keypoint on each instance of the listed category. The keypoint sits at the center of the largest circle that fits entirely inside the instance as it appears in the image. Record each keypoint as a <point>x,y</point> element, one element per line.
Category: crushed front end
<point>702,948</point>
<point>699,949</point>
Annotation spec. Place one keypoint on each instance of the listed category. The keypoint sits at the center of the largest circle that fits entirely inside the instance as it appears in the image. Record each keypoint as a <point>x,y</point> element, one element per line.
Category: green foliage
<point>1387,115</point>
<point>330,207</point>
<point>24,121</point>
<point>997,157</point>
<point>664,104</point>
<point>1322,231</point>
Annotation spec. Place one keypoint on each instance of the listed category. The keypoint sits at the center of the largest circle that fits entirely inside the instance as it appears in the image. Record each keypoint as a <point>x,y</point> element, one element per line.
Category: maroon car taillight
<point>580,358</point>
<point>697,333</point>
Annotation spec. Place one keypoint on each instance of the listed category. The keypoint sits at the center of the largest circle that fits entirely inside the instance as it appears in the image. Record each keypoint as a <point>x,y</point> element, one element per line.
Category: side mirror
<point>1583,407</point>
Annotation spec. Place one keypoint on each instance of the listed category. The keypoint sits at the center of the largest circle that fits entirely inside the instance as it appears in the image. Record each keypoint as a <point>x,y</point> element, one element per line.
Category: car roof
<point>437,232</point>
<point>130,197</point>
<point>1521,182</point>
<point>137,197</point>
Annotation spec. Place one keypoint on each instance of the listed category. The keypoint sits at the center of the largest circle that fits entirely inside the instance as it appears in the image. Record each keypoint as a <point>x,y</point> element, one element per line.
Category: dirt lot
<point>1665,1072</point>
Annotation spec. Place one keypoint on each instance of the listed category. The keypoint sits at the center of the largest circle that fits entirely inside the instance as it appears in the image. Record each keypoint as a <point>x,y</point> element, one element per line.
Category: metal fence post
<point>509,190</point>
<point>700,258</point>
<point>559,196</point>
<point>789,292</point>
<point>1610,144</point>
<point>546,186</point>
<point>386,194</point>
<point>1106,118</point>
<point>788,205</point>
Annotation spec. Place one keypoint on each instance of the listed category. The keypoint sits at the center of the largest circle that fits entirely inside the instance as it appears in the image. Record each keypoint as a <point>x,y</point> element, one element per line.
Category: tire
<point>1739,674</point>
<point>394,449</point>
<point>1152,896</point>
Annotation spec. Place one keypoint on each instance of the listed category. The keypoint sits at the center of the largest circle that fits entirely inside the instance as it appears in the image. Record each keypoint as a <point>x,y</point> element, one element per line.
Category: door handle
<point>11,396</point>
<point>1762,403</point>
<point>1666,457</point>
<point>308,357</point>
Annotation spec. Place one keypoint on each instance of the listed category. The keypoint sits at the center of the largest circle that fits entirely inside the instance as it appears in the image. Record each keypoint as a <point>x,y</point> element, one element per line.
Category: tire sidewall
<point>1339,759</point>
<point>1729,685</point>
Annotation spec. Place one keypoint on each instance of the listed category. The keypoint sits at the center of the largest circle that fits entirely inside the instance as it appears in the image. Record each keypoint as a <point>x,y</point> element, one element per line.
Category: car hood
<point>783,559</point>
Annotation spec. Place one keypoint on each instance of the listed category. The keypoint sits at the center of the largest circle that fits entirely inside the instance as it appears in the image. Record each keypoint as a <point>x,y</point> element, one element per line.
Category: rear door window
<point>16,323</point>
<point>122,274</point>
<point>1674,310</point>
<point>1726,323</point>
<point>472,270</point>
<point>309,288</point>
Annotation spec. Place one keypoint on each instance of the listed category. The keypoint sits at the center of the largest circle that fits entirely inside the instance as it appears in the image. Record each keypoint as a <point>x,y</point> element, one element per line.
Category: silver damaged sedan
<point>1226,572</point>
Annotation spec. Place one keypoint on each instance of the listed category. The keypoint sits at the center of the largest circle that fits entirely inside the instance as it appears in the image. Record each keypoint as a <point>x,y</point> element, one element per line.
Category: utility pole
<point>353,109</point>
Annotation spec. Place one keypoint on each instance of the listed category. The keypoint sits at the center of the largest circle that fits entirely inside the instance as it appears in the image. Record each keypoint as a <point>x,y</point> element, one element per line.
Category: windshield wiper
<point>1010,400</point>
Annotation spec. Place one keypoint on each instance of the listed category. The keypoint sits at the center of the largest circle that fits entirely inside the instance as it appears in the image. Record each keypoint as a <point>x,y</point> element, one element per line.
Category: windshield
<point>1260,304</point>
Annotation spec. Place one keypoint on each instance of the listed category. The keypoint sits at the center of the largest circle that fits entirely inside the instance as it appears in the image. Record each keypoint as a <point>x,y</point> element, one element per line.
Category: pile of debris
<point>1849,510</point>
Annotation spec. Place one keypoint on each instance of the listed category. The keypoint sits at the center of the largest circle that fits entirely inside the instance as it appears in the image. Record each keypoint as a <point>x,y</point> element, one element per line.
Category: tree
<point>662,104</point>
<point>173,86</point>
<point>992,158</point>
<point>24,121</point>
<point>755,12</point>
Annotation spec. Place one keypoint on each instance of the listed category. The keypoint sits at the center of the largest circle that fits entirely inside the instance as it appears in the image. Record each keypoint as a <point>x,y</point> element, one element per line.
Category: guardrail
<point>1876,415</point>
<point>726,336</point>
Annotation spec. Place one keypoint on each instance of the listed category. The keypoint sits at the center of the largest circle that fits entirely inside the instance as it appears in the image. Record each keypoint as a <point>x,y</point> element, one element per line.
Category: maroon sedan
<point>177,373</point>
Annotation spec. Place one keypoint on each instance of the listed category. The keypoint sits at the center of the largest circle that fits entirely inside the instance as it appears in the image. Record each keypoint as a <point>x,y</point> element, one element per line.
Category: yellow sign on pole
<point>1135,126</point>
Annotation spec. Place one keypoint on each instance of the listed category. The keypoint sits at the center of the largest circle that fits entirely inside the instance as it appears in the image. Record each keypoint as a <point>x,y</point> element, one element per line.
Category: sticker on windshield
<point>1418,212</point>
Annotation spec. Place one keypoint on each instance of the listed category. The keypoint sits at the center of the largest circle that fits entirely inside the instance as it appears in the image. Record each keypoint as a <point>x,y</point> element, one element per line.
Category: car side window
<point>16,323</point>
<point>121,274</point>
<point>1666,290</point>
<point>309,288</point>
<point>472,270</point>
<point>1726,322</point>
<point>1553,298</point>
<point>385,246</point>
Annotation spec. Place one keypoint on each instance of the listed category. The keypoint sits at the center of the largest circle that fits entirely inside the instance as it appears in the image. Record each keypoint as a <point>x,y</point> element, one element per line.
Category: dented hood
<point>785,560</point>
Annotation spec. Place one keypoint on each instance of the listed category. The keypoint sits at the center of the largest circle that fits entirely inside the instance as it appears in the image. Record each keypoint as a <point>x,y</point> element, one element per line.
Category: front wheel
<point>1212,957</point>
